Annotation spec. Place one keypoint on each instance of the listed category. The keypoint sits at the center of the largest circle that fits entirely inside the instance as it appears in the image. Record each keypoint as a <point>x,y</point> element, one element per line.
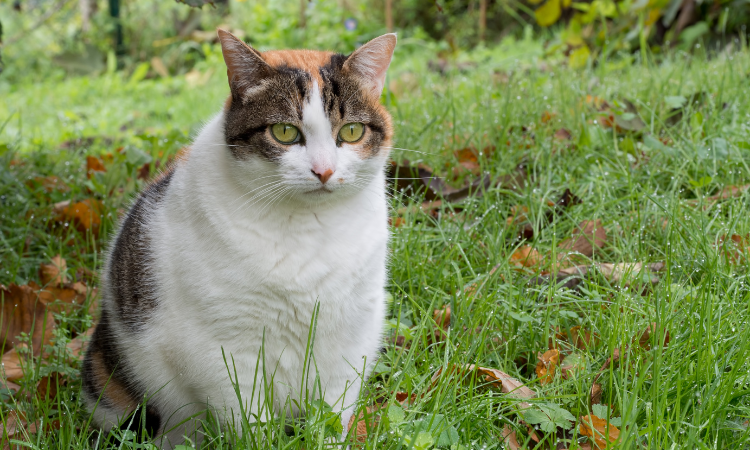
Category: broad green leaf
<point>396,414</point>
<point>675,101</point>
<point>579,57</point>
<point>548,13</point>
<point>448,437</point>
<point>423,441</point>
<point>139,73</point>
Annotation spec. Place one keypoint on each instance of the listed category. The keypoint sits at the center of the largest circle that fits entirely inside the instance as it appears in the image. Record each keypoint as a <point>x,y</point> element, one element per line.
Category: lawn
<point>602,264</point>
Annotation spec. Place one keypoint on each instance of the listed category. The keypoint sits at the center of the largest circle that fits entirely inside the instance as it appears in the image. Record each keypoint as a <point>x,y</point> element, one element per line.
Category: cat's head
<point>307,125</point>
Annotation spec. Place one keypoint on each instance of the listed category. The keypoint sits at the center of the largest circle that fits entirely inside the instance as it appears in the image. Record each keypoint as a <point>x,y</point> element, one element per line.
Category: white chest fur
<point>235,278</point>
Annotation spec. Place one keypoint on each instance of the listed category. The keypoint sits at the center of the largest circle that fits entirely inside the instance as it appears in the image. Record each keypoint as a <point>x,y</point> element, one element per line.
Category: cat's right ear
<point>245,66</point>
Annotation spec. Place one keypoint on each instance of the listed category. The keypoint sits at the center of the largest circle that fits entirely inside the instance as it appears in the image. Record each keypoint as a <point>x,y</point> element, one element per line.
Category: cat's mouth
<point>320,190</point>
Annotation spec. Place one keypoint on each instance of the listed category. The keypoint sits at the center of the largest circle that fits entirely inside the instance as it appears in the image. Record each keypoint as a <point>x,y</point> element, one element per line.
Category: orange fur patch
<point>308,60</point>
<point>114,392</point>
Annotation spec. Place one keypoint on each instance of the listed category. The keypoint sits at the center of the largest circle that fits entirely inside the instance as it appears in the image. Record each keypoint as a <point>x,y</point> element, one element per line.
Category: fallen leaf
<point>595,394</point>
<point>735,248</point>
<point>22,312</point>
<point>12,366</point>
<point>15,427</point>
<point>588,237</point>
<point>365,420</point>
<point>94,164</point>
<point>66,297</point>
<point>47,387</point>
<point>48,184</point>
<point>54,272</point>
<point>563,135</point>
<point>548,116</point>
<point>86,214</point>
<point>77,346</point>
<point>646,337</point>
<point>602,432</point>
<point>442,317</point>
<point>510,441</point>
<point>545,368</point>
<point>580,337</point>
<point>526,256</point>
<point>518,213</point>
<point>620,271</point>
<point>396,221</point>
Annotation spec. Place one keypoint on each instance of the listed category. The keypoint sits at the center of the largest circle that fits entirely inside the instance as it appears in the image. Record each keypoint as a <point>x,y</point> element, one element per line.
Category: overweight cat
<point>278,208</point>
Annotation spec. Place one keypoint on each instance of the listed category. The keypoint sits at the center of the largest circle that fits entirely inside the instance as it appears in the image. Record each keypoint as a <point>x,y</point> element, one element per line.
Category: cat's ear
<point>370,62</point>
<point>245,65</point>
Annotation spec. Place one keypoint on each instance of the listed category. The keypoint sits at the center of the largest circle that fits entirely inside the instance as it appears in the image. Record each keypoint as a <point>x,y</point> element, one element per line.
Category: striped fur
<point>227,255</point>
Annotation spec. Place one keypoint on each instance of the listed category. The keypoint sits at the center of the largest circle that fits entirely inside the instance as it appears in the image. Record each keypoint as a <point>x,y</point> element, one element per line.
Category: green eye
<point>285,133</point>
<point>352,132</point>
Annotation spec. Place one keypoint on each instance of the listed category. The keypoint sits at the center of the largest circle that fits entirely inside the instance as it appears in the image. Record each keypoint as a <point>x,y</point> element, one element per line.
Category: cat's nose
<point>322,176</point>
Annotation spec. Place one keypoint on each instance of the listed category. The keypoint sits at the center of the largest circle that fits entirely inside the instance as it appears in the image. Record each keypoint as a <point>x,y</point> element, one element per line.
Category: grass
<point>649,189</point>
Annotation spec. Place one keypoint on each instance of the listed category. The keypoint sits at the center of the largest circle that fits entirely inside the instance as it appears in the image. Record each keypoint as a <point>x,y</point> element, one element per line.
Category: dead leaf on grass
<point>602,432</point>
<point>595,394</point>
<point>23,312</point>
<point>649,334</point>
<point>94,164</point>
<point>442,317</point>
<point>547,365</point>
<point>49,184</point>
<point>588,237</point>
<point>563,135</point>
<point>526,256</point>
<point>85,215</point>
<point>509,438</point>
<point>54,272</point>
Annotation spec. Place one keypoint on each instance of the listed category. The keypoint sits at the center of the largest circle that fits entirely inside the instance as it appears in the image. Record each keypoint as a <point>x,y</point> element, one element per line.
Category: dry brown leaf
<point>735,248</point>
<point>403,398</point>
<point>94,164</point>
<point>595,394</point>
<point>442,317</point>
<point>12,368</point>
<point>47,387</point>
<point>599,430</point>
<point>54,272</point>
<point>86,214</point>
<point>496,378</point>
<point>49,184</point>
<point>77,345</point>
<point>526,256</point>
<point>22,312</point>
<point>396,221</point>
<point>645,340</point>
<point>563,135</point>
<point>548,116</point>
<point>581,337</point>
<point>14,427</point>
<point>365,420</point>
<point>620,271</point>
<point>588,237</point>
<point>545,368</point>
<point>509,439</point>
<point>727,192</point>
<point>67,297</point>
<point>518,213</point>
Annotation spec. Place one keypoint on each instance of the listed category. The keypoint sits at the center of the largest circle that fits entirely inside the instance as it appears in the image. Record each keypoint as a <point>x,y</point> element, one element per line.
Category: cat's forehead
<point>309,61</point>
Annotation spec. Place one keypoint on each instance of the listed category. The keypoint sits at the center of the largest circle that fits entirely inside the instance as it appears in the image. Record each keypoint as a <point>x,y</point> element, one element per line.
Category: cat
<point>278,208</point>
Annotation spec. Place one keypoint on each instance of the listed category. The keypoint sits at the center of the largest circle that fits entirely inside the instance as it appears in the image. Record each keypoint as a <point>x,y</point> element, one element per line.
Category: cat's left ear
<point>245,65</point>
<point>370,62</point>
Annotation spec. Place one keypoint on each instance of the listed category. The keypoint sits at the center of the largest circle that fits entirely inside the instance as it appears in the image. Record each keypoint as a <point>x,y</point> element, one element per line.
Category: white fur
<point>244,250</point>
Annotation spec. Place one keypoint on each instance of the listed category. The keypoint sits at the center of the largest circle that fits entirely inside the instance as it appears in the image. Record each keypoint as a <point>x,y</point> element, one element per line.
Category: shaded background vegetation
<point>55,38</point>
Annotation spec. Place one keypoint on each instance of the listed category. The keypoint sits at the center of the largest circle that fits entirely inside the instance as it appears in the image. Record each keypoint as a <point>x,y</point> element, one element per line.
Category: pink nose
<point>323,177</point>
